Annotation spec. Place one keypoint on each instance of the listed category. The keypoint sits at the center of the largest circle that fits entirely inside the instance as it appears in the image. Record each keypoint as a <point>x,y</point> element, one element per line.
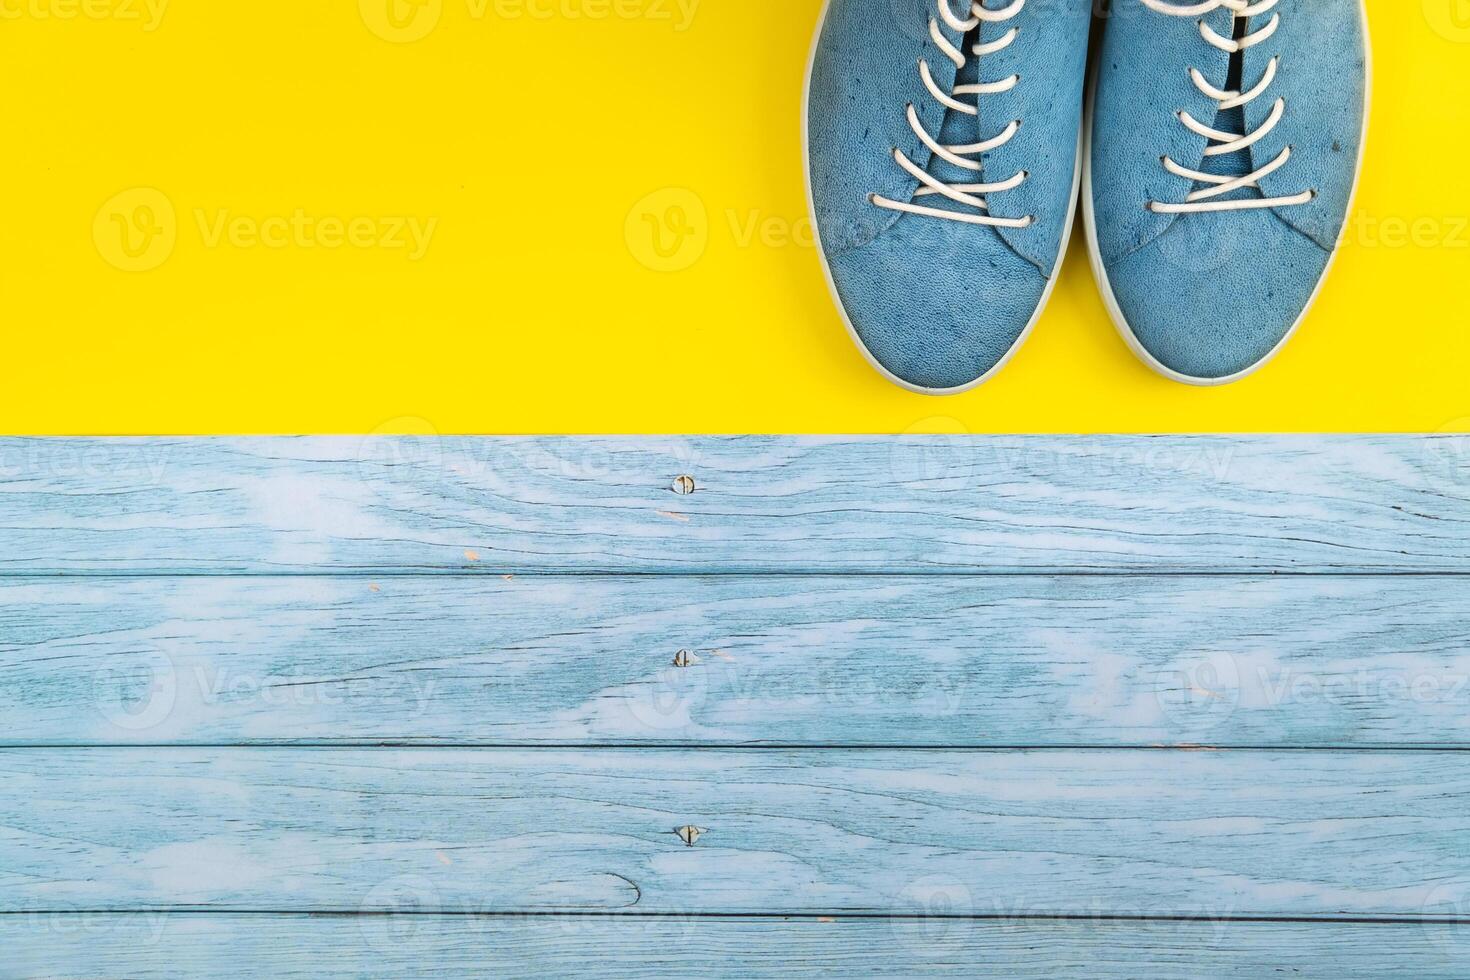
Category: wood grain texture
<point>429,947</point>
<point>791,660</point>
<point>191,609</point>
<point>984,504</point>
<point>1105,832</point>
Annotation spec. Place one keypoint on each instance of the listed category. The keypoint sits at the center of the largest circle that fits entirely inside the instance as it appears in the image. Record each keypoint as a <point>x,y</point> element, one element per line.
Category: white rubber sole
<point>806,162</point>
<point>1105,287</point>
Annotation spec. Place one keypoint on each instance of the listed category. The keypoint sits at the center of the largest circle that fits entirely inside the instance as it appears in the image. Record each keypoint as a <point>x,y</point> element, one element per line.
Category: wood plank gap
<point>714,747</point>
<point>814,917</point>
<point>958,572</point>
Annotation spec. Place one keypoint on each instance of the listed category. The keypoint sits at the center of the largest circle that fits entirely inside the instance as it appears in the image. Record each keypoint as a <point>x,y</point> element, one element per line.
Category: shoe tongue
<point>1236,164</point>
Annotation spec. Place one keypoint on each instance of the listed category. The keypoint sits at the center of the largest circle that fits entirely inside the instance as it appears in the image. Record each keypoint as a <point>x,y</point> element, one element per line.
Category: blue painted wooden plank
<point>428,947</point>
<point>984,504</point>
<point>847,660</point>
<point>1093,833</point>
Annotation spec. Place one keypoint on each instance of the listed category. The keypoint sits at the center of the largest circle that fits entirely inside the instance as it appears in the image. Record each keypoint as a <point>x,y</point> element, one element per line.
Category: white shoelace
<point>1225,143</point>
<point>967,194</point>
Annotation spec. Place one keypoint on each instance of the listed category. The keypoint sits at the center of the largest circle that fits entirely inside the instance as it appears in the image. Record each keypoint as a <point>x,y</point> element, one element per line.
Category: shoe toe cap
<point>1215,296</point>
<point>938,305</point>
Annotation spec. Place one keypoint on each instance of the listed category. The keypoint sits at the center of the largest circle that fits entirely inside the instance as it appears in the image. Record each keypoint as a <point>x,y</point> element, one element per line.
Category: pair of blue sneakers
<point>946,143</point>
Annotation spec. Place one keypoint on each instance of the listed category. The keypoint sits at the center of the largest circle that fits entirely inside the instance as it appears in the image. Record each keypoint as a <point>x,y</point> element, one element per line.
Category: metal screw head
<point>684,658</point>
<point>684,485</point>
<point>690,834</point>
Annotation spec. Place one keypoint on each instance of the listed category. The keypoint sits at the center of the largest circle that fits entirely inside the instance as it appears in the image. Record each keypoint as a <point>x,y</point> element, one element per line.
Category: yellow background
<point>542,141</point>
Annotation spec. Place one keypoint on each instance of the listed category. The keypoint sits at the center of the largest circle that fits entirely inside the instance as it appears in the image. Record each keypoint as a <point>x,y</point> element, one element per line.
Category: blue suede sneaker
<point>942,142</point>
<point>1226,139</point>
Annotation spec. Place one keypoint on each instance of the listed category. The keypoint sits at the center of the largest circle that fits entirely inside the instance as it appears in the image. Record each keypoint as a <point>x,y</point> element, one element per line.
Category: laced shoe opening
<point>958,129</point>
<point>1226,181</point>
<point>951,178</point>
<point>1232,121</point>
